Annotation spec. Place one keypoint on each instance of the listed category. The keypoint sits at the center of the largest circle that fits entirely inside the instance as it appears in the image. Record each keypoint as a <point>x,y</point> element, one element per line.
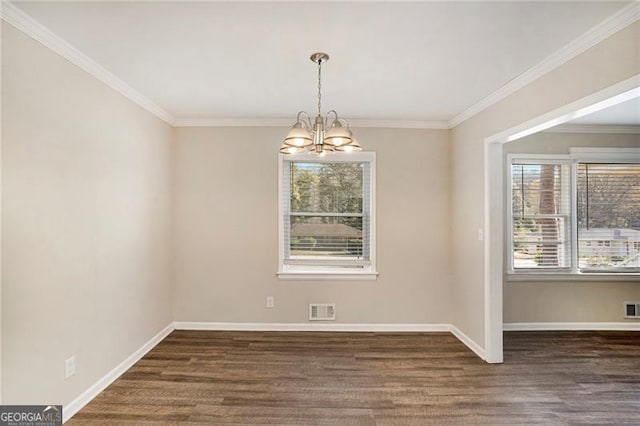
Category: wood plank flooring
<point>292,378</point>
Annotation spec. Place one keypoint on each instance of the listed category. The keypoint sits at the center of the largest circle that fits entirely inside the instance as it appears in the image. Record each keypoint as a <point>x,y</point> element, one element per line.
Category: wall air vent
<point>322,312</point>
<point>632,309</point>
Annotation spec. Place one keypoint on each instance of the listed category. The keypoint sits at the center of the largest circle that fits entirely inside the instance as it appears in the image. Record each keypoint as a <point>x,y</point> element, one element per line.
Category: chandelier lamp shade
<point>324,135</point>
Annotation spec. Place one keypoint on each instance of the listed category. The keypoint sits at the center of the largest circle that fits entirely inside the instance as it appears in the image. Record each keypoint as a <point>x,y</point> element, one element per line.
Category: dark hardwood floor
<point>283,378</point>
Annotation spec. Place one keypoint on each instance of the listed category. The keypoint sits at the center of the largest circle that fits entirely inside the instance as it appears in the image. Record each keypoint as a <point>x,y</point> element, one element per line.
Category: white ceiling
<point>389,60</point>
<point>623,114</point>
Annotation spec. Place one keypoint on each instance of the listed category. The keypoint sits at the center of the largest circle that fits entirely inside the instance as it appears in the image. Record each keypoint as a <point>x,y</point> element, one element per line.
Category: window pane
<point>326,237</point>
<point>326,187</point>
<point>327,209</point>
<point>541,211</point>
<point>608,216</point>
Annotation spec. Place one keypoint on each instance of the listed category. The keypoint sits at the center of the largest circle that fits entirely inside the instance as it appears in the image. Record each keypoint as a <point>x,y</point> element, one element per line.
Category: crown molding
<point>233,122</point>
<point>596,128</point>
<point>23,22</point>
<point>287,122</point>
<point>595,35</point>
<point>401,124</point>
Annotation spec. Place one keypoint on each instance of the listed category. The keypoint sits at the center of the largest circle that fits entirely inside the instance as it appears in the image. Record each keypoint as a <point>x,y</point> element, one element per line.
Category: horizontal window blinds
<point>326,211</point>
<point>608,211</point>
<point>541,215</point>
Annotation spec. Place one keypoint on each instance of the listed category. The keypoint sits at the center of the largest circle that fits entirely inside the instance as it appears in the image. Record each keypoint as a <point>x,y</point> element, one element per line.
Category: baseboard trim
<point>468,342</point>
<point>572,326</point>
<point>255,326</point>
<point>76,405</point>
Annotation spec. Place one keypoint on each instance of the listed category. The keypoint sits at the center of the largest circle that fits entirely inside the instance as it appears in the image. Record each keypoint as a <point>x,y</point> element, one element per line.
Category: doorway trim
<point>494,197</point>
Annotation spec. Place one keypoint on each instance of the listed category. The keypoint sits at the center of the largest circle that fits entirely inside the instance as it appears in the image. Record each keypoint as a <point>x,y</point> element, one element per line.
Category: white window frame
<point>538,159</point>
<point>301,271</point>
<point>575,156</point>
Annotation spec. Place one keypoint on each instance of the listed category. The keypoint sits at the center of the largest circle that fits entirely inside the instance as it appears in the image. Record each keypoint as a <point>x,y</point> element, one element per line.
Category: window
<point>574,215</point>
<point>541,215</point>
<point>327,218</point>
<point>608,211</point>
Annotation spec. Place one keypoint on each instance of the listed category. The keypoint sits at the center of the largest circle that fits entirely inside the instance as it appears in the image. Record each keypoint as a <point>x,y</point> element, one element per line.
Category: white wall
<point>568,301</point>
<point>609,62</point>
<point>227,242</point>
<point>86,194</point>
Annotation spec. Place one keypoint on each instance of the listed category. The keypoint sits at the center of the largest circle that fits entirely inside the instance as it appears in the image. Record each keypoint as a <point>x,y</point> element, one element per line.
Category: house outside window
<point>327,216</point>
<point>576,214</point>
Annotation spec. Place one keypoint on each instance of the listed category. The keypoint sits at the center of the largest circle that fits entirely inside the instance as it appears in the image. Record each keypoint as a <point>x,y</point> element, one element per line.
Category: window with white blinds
<point>541,215</point>
<point>576,213</point>
<point>608,211</point>
<point>326,213</point>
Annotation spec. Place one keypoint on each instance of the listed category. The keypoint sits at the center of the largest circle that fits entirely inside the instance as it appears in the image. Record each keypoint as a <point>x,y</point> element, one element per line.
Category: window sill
<point>327,276</point>
<point>550,276</point>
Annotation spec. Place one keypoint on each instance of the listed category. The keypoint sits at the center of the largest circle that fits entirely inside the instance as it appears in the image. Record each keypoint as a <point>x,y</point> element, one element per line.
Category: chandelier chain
<point>319,86</point>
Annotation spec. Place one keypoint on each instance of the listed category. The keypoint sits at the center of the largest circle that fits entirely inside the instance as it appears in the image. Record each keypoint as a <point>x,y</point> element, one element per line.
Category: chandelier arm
<point>304,118</point>
<point>344,121</point>
<point>333,111</point>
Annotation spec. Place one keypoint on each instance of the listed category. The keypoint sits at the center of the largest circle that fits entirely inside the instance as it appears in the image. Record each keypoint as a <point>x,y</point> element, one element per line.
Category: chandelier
<point>313,137</point>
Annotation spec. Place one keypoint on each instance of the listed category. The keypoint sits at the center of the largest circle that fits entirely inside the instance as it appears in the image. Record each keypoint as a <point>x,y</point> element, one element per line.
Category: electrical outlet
<point>270,302</point>
<point>70,367</point>
<point>480,234</point>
